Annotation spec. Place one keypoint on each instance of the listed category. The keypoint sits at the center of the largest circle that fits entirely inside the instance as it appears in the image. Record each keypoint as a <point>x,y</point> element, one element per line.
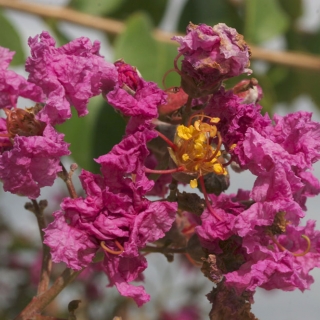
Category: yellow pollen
<point>214,120</point>
<point>198,148</point>
<point>185,133</point>
<point>185,157</point>
<point>219,169</point>
<point>193,183</point>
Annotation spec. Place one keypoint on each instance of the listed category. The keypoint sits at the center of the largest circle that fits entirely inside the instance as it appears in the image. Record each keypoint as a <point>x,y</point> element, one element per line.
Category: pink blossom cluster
<point>250,239</point>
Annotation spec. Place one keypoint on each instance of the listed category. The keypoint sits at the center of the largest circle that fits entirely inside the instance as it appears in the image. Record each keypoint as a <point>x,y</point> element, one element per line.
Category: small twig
<point>38,303</point>
<point>37,209</point>
<point>289,59</point>
<point>67,178</point>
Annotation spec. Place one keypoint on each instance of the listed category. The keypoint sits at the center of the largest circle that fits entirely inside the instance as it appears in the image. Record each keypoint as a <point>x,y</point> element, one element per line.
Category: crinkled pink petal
<point>69,75</point>
<point>298,135</point>
<point>213,54</point>
<point>127,157</point>
<point>235,117</point>
<point>5,57</point>
<point>133,96</point>
<point>68,244</point>
<point>13,85</point>
<point>122,270</point>
<point>151,225</point>
<point>144,103</point>
<point>33,162</point>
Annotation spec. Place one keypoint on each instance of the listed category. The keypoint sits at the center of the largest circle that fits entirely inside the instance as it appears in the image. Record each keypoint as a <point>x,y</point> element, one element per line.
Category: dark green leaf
<point>293,8</point>
<point>137,46</point>
<point>79,133</point>
<point>96,7</point>
<point>9,38</point>
<point>166,54</point>
<point>59,36</point>
<point>265,19</point>
<point>210,12</point>
<point>154,9</point>
<point>108,130</point>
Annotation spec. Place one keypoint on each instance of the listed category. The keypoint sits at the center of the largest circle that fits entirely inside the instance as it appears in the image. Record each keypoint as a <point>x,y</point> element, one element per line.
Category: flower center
<point>196,151</point>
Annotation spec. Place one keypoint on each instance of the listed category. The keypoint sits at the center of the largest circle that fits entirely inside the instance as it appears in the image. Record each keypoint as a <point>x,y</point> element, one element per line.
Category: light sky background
<point>268,305</point>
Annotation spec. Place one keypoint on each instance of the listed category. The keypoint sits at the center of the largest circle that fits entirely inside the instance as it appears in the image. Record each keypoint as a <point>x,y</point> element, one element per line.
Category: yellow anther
<point>185,157</point>
<point>214,120</point>
<point>193,183</point>
<point>219,169</point>
<point>194,151</point>
<point>185,132</point>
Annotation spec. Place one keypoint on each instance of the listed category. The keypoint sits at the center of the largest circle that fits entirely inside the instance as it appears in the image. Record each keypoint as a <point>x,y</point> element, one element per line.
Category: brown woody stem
<point>39,302</point>
<point>37,209</point>
<point>67,178</point>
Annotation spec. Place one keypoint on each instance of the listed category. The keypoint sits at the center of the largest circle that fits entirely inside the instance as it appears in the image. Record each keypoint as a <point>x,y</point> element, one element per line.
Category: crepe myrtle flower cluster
<point>189,134</point>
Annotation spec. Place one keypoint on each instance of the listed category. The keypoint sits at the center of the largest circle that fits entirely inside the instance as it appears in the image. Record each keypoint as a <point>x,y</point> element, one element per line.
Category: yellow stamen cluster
<point>194,151</point>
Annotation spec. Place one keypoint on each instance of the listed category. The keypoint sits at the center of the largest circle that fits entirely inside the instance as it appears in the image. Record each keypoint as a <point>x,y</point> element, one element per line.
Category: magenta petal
<point>33,162</point>
<point>69,75</point>
<point>13,85</point>
<point>122,270</point>
<point>69,244</point>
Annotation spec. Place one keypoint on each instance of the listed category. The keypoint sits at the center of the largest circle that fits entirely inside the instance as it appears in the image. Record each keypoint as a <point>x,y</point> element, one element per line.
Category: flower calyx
<point>23,122</point>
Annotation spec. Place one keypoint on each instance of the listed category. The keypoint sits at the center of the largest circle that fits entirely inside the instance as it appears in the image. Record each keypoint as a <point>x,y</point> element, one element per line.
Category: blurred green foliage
<point>9,38</point>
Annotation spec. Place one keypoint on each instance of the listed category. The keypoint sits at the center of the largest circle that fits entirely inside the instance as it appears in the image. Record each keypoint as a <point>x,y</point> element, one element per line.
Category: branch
<point>37,209</point>
<point>67,178</point>
<point>40,302</point>
<point>290,59</point>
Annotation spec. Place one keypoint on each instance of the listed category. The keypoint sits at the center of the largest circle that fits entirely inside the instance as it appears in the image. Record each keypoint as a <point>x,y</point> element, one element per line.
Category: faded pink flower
<point>211,55</point>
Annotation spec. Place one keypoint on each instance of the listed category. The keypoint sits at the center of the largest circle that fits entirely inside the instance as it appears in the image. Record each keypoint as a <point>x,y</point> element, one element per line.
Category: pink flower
<point>133,96</point>
<point>268,267</point>
<point>69,75</point>
<point>32,162</point>
<point>228,207</point>
<point>235,117</point>
<point>115,215</point>
<point>13,85</point>
<point>211,54</point>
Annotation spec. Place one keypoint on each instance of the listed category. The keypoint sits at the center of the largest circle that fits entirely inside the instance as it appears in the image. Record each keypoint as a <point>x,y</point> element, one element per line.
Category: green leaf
<point>96,7</point>
<point>79,133</point>
<point>154,9</point>
<point>108,130</point>
<point>58,35</point>
<point>166,54</point>
<point>9,38</point>
<point>210,13</point>
<point>137,46</point>
<point>265,19</point>
<point>294,8</point>
<point>152,58</point>
<point>93,135</point>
